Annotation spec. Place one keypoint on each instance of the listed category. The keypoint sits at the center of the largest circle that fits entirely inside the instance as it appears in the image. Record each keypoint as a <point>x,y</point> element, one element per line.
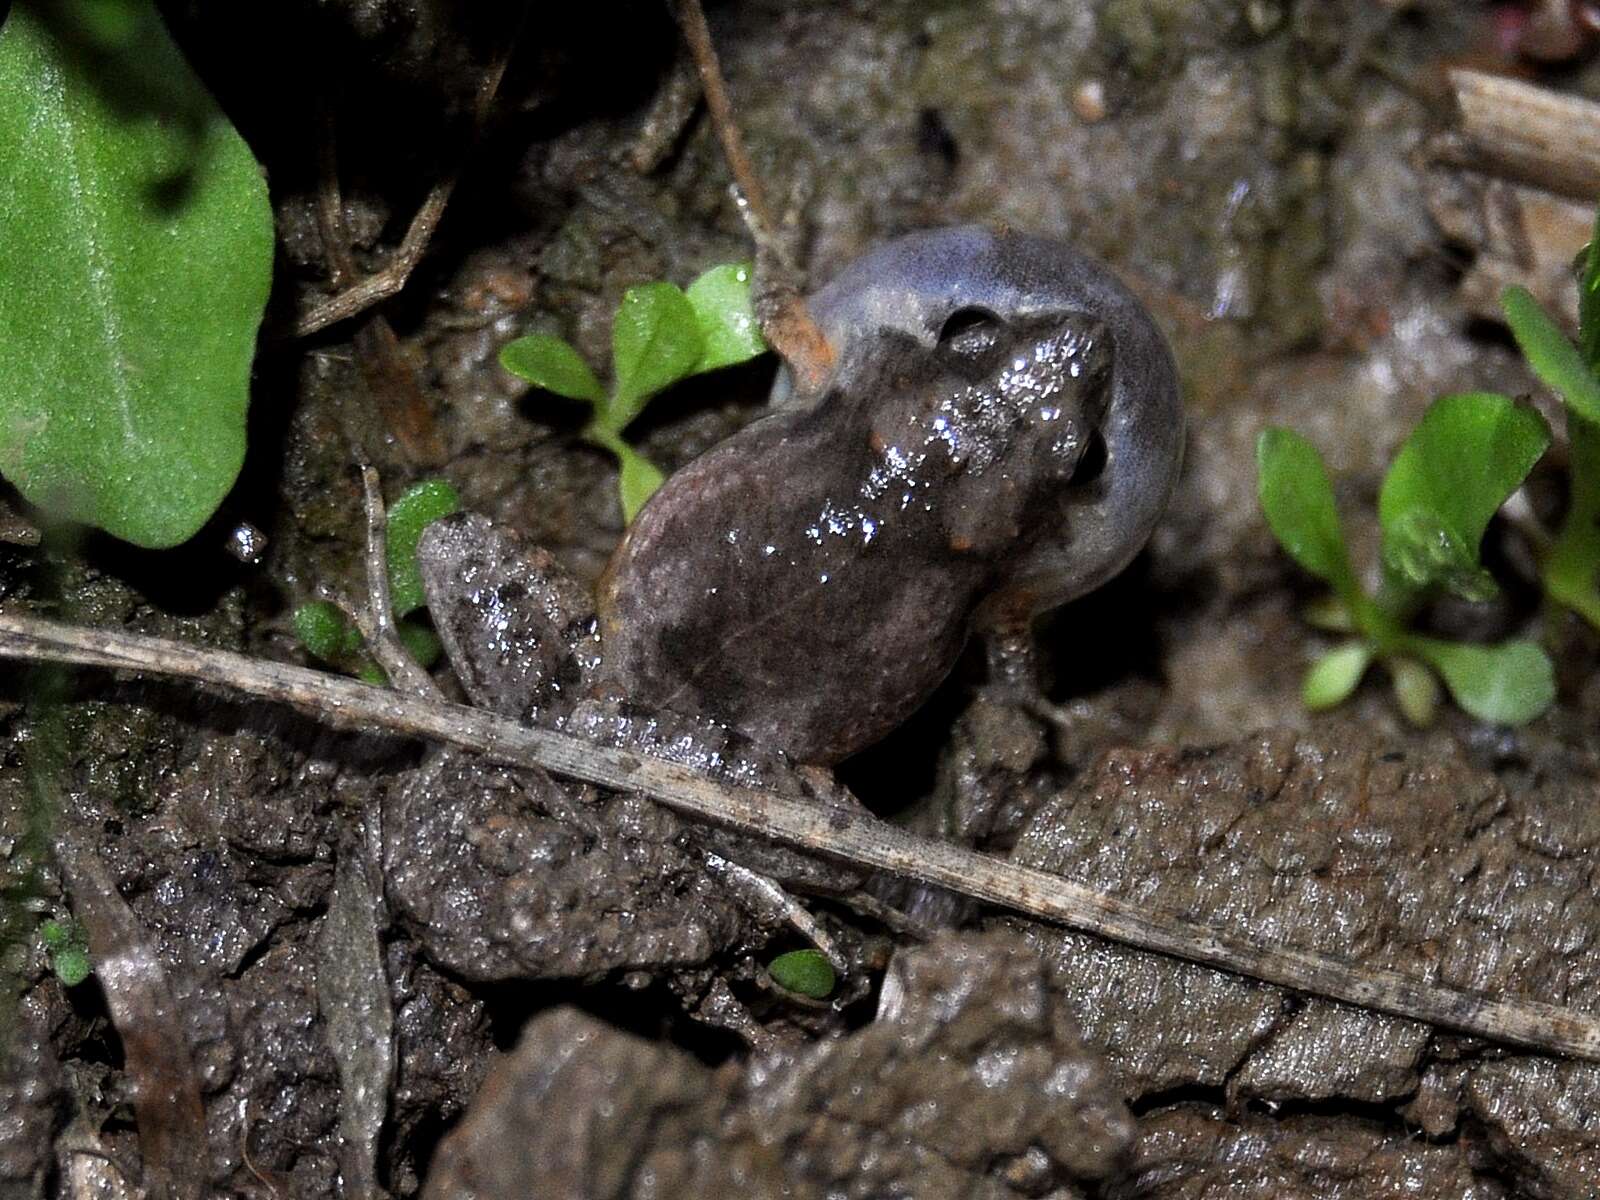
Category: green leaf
<point>421,642</point>
<point>638,482</point>
<point>1420,551</point>
<point>805,972</point>
<point>1589,300</point>
<point>550,363</point>
<point>1298,502</point>
<point>136,248</point>
<point>1334,676</point>
<point>71,965</point>
<point>1507,684</point>
<point>1571,570</point>
<point>1416,690</point>
<point>726,317</point>
<point>422,504</point>
<point>655,341</point>
<point>325,631</point>
<point>1329,613</point>
<point>1465,457</point>
<point>1552,356</point>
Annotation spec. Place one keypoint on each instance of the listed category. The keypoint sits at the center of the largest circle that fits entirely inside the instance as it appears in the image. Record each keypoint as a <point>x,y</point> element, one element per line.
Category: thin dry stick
<point>393,276</point>
<point>375,616</point>
<point>697,36</point>
<point>1526,132</point>
<point>330,202</point>
<point>830,831</point>
<point>785,320</point>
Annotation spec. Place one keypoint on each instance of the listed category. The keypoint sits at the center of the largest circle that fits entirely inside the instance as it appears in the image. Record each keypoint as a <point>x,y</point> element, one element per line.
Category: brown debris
<point>1525,132</point>
<point>166,1090</point>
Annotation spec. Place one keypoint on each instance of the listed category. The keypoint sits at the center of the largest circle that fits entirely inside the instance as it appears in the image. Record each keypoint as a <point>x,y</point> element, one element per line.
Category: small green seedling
<point>1569,566</point>
<point>68,947</point>
<point>1461,463</point>
<point>329,634</point>
<point>804,972</point>
<point>661,335</point>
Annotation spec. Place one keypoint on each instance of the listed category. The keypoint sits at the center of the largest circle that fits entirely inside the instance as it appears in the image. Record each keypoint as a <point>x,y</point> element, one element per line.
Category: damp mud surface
<point>326,964</point>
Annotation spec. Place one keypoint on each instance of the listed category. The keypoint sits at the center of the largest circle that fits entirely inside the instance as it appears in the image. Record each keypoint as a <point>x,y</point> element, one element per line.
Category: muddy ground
<point>351,982</point>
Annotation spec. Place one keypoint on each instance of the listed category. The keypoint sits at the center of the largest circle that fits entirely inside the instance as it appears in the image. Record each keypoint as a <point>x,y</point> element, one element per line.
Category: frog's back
<point>720,602</point>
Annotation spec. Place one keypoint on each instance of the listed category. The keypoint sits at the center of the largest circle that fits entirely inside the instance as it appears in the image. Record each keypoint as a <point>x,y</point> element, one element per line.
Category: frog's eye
<point>970,333</point>
<point>1092,462</point>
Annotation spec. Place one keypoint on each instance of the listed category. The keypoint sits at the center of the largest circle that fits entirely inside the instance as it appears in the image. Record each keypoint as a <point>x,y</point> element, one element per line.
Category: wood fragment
<point>166,1089</point>
<point>1522,131</point>
<point>833,832</point>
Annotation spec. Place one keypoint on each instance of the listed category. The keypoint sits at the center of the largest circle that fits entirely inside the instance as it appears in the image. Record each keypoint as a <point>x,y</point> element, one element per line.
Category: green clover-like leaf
<point>726,316</point>
<point>1551,354</point>
<point>1297,499</point>
<point>655,342</point>
<point>550,363</point>
<point>1416,690</point>
<point>1334,676</point>
<point>1589,299</point>
<point>1330,613</point>
<point>420,642</point>
<point>325,631</point>
<point>1571,570</point>
<point>67,944</point>
<point>1460,464</point>
<point>1507,684</point>
<point>422,504</point>
<point>136,249</point>
<point>1422,551</point>
<point>638,477</point>
<point>805,972</point>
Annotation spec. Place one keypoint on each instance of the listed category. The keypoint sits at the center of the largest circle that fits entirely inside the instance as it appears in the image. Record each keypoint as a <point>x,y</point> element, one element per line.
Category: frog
<point>811,580</point>
<point>997,433</point>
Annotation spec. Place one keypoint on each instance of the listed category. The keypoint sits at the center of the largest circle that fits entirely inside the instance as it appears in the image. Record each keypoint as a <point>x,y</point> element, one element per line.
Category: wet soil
<point>380,968</point>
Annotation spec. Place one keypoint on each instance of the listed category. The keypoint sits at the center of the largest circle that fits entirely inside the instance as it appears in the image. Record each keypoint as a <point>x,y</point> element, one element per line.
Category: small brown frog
<point>999,434</point>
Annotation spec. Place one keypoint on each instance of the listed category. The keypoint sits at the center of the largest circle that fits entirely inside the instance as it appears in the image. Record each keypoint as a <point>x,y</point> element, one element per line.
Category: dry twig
<point>393,276</point>
<point>781,309</point>
<point>1522,131</point>
<point>828,831</point>
<point>166,1089</point>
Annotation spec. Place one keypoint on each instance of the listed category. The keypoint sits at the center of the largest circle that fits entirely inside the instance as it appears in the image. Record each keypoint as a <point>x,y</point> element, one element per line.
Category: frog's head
<point>1008,286</point>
